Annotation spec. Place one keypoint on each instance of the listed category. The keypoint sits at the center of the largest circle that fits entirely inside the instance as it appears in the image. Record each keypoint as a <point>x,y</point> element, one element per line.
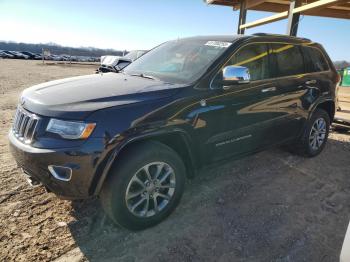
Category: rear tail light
<point>338,78</point>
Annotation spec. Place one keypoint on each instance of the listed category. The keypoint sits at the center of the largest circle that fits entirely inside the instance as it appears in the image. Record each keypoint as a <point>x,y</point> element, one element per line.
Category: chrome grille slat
<point>29,124</point>
<point>31,135</point>
<point>16,118</point>
<point>24,125</point>
<point>20,117</point>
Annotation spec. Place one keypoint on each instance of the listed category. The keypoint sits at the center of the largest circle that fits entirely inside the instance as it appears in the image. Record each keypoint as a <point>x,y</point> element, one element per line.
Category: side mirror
<point>232,75</point>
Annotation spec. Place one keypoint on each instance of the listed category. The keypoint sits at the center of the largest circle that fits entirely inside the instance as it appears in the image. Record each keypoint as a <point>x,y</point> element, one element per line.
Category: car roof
<point>268,37</point>
<point>225,38</point>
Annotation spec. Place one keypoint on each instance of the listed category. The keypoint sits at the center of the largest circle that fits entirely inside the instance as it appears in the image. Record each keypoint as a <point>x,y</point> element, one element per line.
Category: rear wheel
<point>144,187</point>
<point>315,135</point>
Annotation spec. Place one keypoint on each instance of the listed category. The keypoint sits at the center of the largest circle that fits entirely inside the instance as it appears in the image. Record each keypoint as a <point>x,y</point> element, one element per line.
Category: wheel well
<point>179,144</point>
<point>176,142</point>
<point>329,107</point>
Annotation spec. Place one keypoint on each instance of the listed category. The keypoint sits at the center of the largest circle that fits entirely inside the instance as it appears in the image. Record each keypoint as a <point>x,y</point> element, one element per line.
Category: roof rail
<point>280,35</point>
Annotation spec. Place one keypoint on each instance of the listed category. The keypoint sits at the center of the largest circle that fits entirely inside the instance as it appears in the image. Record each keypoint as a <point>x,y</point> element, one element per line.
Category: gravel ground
<point>271,206</point>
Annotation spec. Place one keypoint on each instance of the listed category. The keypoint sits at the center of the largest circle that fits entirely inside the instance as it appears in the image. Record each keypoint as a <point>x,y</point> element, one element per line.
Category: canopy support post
<point>293,18</point>
<point>242,17</point>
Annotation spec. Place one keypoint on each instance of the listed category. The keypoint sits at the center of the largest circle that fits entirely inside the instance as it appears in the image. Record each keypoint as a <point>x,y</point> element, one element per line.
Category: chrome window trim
<point>273,78</point>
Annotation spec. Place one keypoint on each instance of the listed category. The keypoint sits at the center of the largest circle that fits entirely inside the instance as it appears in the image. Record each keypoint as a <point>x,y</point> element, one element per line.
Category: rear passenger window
<point>289,59</point>
<point>316,62</point>
<point>255,58</point>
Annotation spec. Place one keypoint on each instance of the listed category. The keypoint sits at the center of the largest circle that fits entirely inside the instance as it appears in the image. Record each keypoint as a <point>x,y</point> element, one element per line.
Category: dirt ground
<point>271,206</point>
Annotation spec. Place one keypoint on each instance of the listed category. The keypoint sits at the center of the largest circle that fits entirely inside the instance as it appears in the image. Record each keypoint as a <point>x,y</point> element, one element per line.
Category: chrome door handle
<point>270,89</point>
<point>311,82</point>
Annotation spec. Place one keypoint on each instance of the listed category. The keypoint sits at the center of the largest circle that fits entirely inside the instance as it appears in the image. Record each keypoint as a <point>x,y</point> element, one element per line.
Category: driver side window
<point>255,57</point>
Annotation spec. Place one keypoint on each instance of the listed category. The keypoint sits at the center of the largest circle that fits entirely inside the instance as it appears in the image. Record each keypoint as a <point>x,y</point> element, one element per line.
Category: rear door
<point>319,79</point>
<point>290,79</point>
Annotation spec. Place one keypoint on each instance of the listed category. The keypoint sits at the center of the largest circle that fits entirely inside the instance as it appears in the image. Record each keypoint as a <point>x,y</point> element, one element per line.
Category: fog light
<point>60,172</point>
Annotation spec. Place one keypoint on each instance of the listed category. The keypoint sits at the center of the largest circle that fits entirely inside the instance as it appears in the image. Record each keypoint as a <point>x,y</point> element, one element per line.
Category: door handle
<point>269,89</point>
<point>311,82</point>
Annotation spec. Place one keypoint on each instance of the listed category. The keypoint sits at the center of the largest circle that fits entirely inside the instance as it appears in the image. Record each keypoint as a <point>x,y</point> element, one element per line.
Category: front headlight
<point>70,129</point>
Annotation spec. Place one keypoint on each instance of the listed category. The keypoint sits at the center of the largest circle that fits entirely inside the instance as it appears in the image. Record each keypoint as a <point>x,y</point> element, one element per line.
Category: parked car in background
<point>16,54</point>
<point>19,55</point>
<point>4,54</point>
<point>108,64</point>
<point>30,55</point>
<point>52,57</point>
<point>133,138</point>
<point>118,63</point>
<point>135,54</point>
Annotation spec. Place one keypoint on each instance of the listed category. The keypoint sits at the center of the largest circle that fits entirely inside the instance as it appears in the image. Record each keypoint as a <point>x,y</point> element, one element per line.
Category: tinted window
<point>316,61</point>
<point>255,58</point>
<point>289,59</point>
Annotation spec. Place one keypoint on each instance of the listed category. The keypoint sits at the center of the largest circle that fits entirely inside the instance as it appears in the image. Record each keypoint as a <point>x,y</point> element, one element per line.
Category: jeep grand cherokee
<point>132,138</point>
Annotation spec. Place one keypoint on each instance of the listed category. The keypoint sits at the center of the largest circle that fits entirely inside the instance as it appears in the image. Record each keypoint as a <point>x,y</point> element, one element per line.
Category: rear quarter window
<point>316,61</point>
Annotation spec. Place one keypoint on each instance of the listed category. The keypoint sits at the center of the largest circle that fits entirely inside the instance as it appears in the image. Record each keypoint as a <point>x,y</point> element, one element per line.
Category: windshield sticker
<point>218,44</point>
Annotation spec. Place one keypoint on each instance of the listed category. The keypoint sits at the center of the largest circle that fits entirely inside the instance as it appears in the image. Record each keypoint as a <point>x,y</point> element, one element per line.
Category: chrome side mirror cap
<point>232,75</point>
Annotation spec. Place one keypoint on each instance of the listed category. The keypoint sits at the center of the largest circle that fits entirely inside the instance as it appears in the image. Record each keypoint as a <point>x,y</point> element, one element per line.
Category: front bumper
<point>83,162</point>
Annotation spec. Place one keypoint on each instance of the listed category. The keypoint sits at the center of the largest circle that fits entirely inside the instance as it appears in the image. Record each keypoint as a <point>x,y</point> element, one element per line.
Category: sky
<point>143,24</point>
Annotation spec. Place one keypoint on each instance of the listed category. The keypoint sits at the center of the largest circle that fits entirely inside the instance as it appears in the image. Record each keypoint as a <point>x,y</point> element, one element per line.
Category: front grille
<point>24,125</point>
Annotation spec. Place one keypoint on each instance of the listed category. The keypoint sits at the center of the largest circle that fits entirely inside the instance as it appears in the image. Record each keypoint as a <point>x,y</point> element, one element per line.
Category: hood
<point>77,97</point>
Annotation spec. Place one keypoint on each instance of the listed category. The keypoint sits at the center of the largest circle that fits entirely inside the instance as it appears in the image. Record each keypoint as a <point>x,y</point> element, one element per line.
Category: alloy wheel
<point>150,189</point>
<point>317,134</point>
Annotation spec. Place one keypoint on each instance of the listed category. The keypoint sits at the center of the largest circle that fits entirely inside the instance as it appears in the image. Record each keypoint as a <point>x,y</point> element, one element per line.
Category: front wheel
<point>144,187</point>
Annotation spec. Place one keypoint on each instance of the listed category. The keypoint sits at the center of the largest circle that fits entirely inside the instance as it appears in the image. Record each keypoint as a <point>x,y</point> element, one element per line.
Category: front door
<point>240,118</point>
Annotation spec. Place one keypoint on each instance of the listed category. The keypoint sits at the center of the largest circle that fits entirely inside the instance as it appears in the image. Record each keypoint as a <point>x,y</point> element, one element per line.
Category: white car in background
<point>116,63</point>
<point>109,59</point>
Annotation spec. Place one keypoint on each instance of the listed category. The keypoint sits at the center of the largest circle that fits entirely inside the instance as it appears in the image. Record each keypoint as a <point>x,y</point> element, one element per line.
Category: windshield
<point>178,61</point>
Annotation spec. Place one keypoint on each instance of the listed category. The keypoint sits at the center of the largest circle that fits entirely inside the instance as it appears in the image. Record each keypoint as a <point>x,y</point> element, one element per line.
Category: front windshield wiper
<point>145,76</point>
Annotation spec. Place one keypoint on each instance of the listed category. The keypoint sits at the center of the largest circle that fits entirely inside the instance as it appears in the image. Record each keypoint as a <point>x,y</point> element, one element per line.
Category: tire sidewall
<point>121,176</point>
<point>316,115</point>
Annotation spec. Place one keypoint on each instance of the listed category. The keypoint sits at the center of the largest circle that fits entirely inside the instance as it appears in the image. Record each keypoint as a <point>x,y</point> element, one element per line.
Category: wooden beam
<point>317,5</point>
<point>271,7</point>
<point>282,2</point>
<point>222,2</point>
<point>328,12</point>
<point>277,8</point>
<point>266,20</point>
<point>312,7</point>
<point>252,3</point>
<point>346,8</point>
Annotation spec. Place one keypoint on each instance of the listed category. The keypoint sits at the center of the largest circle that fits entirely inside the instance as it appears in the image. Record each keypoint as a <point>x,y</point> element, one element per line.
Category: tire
<point>306,145</point>
<point>120,192</point>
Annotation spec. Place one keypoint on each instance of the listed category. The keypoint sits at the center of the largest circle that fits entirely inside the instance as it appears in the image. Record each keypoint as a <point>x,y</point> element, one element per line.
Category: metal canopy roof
<point>291,9</point>
<point>335,9</point>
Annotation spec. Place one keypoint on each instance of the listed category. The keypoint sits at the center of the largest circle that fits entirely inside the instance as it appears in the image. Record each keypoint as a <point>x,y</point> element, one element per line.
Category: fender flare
<point>112,156</point>
<point>319,102</point>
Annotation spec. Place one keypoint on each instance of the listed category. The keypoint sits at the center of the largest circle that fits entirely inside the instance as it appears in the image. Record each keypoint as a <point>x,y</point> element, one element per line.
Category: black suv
<point>132,138</point>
